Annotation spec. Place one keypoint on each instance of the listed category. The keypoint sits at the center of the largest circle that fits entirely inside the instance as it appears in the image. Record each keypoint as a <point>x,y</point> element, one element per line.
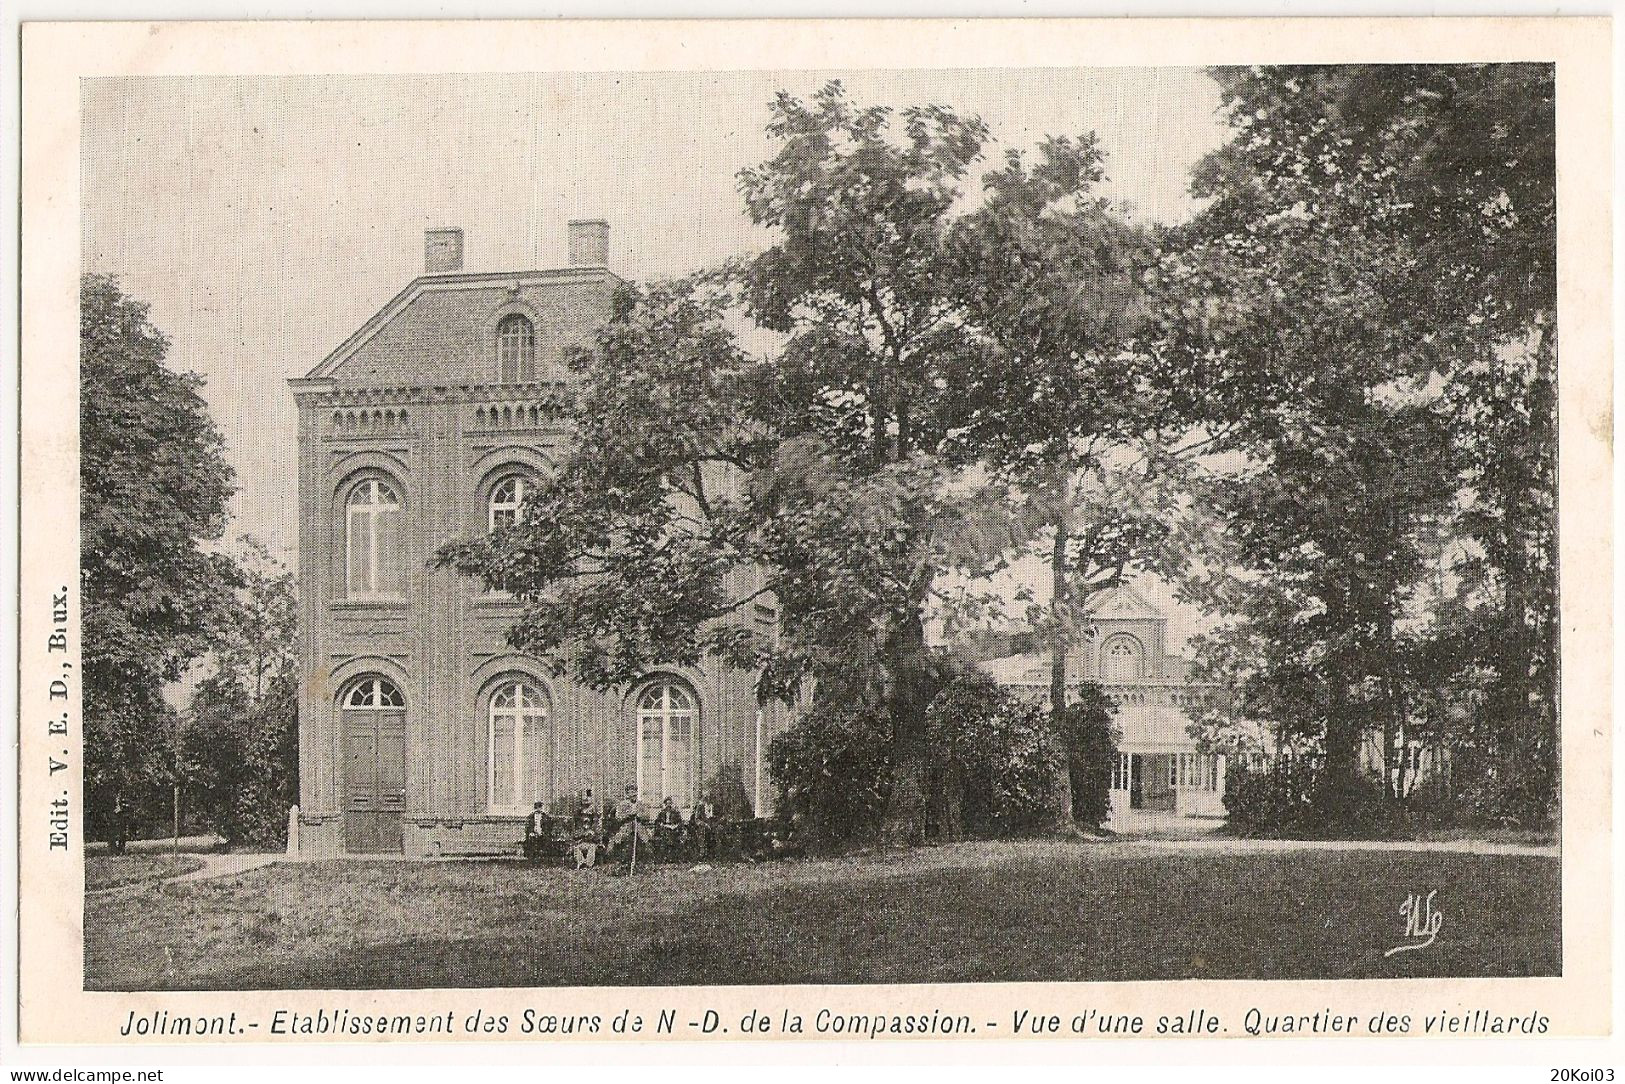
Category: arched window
<point>666,716</point>
<point>374,693</point>
<point>1121,660</point>
<point>516,742</point>
<point>374,564</point>
<point>506,498</point>
<point>516,349</point>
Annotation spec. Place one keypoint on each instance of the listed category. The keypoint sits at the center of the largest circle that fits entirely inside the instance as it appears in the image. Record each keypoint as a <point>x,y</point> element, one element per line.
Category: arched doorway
<point>373,719</point>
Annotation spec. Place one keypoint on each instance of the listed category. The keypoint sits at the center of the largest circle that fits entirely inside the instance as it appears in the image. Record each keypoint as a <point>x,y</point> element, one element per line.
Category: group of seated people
<point>630,829</point>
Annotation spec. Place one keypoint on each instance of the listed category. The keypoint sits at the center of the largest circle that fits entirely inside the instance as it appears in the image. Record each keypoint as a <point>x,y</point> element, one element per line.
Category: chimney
<point>589,242</point>
<point>442,250</point>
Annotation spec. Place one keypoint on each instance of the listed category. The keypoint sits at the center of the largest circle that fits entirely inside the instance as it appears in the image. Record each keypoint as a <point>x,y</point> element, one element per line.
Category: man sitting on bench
<point>586,833</point>
<point>538,833</point>
<point>669,829</point>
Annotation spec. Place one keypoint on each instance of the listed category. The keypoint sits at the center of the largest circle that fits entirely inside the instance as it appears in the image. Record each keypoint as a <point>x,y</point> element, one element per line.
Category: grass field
<point>1038,911</point>
<point>111,871</point>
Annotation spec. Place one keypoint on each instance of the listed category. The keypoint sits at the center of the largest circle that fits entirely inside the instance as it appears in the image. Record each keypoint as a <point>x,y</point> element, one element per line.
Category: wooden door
<point>1158,789</point>
<point>374,780</point>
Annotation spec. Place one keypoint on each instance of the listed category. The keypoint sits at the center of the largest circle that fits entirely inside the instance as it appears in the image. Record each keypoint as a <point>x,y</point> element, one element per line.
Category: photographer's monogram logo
<point>1422,922</point>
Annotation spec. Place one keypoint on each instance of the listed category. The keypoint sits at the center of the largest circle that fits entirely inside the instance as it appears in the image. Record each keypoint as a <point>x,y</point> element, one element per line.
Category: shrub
<point>832,770</point>
<point>994,760</point>
<point>1273,801</point>
<point>243,760</point>
<point>1089,739</point>
<point>726,791</point>
<point>1291,800</point>
<point>1486,790</point>
<point>127,781</point>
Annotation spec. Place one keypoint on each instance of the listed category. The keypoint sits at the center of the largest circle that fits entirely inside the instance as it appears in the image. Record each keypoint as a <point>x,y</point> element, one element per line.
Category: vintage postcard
<point>850,530</point>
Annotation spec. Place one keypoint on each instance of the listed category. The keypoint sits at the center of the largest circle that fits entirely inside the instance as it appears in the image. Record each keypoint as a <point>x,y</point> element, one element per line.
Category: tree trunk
<point>1526,748</point>
<point>904,822</point>
<point>1393,720</point>
<point>949,798</point>
<point>1513,675</point>
<point>1543,597</point>
<point>1060,599</point>
<point>1342,739</point>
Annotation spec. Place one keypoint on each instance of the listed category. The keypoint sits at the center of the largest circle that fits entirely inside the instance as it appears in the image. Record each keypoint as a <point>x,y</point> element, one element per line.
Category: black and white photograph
<point>823,527</point>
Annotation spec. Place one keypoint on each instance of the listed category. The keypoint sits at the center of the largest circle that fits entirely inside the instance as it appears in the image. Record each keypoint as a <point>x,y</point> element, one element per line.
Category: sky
<point>266,218</point>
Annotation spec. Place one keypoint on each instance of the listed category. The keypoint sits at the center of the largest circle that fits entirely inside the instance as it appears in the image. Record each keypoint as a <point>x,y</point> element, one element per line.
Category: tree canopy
<point>1056,398</point>
<point>153,490</point>
<point>1369,294</point>
<point>239,744</point>
<point>812,481</point>
<point>1300,387</point>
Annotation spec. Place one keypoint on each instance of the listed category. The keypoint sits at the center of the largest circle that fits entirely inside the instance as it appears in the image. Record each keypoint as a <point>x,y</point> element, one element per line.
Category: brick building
<point>420,730</point>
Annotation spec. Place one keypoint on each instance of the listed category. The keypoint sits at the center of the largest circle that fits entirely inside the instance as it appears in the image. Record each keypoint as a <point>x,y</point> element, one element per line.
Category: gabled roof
<point>476,287</point>
<point>1122,603</point>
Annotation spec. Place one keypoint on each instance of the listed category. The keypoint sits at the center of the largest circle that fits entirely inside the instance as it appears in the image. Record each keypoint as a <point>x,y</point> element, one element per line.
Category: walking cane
<point>632,867</point>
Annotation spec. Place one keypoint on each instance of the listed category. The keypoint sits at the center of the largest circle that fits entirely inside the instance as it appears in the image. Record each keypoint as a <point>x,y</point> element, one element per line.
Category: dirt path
<point>1235,845</point>
<point>214,865</point>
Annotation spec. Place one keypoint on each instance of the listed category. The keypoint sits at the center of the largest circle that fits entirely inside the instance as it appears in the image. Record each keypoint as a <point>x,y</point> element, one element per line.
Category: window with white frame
<point>507,497</point>
<point>1121,772</point>
<point>374,565</point>
<point>666,719</point>
<point>516,770</point>
<point>516,349</point>
<point>1194,771</point>
<point>374,693</point>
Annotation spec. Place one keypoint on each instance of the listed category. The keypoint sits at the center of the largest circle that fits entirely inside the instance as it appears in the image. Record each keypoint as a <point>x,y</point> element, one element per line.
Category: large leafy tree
<point>688,526</point>
<point>707,481</point>
<point>1372,291</point>
<point>1285,305</point>
<point>1057,399</point>
<point>153,490</point>
<point>638,550</point>
<point>1473,150</point>
<point>240,754</point>
<point>855,281</point>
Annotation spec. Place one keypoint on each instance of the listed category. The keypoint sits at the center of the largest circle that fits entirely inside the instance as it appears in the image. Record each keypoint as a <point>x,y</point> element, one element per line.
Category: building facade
<point>1159,768</point>
<point>420,730</point>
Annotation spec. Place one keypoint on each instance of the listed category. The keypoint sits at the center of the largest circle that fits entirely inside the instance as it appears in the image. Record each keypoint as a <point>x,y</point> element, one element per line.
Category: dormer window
<point>516,349</point>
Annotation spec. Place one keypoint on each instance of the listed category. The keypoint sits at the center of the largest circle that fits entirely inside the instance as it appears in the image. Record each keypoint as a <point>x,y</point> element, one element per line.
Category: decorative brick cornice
<point>325,393</point>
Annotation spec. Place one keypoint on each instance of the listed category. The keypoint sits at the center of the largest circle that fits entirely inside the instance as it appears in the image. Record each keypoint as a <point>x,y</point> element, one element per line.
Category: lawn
<point>1039,911</point>
<point>111,871</point>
